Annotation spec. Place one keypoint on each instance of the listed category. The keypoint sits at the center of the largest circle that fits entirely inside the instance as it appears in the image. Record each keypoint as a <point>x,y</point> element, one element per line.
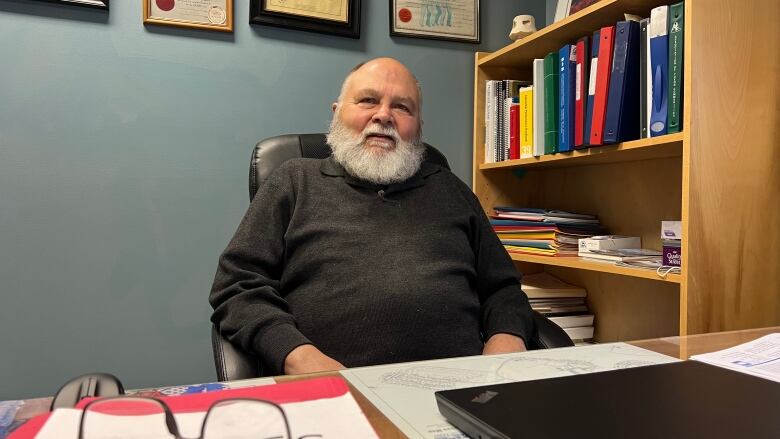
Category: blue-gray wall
<point>123,169</point>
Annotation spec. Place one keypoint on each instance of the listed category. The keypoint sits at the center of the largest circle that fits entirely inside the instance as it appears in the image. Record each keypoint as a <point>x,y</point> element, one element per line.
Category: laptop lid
<point>678,400</point>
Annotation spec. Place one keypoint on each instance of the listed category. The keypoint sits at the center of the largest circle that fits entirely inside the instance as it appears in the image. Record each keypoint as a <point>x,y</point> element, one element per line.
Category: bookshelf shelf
<point>601,267</point>
<point>553,37</point>
<point>643,149</point>
<point>718,176</point>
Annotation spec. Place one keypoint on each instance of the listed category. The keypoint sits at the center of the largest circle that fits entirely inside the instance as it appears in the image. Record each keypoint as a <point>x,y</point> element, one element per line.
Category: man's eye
<point>367,101</point>
<point>403,108</point>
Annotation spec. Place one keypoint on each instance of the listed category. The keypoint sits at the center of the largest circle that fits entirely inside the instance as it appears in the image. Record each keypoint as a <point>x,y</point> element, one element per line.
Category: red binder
<point>581,92</point>
<point>603,72</point>
<point>514,131</point>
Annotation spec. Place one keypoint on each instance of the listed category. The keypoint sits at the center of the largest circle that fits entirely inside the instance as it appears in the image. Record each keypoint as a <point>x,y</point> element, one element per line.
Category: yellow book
<point>527,122</point>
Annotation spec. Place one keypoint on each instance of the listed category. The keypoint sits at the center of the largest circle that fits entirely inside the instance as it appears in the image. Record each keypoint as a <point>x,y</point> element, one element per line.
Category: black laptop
<point>688,399</point>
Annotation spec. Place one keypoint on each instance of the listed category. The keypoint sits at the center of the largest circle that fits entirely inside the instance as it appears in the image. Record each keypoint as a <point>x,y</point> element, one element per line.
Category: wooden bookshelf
<point>643,149</point>
<point>601,267</point>
<point>719,176</point>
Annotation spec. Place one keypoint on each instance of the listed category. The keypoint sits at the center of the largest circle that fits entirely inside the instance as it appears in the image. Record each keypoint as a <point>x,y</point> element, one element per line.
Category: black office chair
<point>231,362</point>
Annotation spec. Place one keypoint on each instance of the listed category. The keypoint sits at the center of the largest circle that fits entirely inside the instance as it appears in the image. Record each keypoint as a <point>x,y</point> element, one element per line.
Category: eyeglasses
<point>127,417</point>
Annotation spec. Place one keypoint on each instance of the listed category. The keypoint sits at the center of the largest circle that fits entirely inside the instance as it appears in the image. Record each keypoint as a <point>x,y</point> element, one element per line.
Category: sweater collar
<point>331,167</point>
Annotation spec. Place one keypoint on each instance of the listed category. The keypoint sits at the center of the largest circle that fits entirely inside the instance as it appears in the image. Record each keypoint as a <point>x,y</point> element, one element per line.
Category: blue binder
<point>622,117</point>
<point>659,62</point>
<point>566,105</point>
<point>594,56</point>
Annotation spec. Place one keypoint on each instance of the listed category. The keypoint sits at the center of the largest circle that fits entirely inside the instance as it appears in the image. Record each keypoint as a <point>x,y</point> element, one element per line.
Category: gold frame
<point>227,27</point>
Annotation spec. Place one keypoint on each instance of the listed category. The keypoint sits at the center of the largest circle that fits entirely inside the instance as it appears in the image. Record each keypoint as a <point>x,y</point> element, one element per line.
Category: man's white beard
<point>374,164</point>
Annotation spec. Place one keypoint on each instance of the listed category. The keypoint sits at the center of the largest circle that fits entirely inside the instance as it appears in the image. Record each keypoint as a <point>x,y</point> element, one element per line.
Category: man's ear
<point>334,106</point>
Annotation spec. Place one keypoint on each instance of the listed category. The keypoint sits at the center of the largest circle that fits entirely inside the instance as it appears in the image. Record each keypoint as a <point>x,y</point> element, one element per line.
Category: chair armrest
<point>231,362</point>
<point>549,335</point>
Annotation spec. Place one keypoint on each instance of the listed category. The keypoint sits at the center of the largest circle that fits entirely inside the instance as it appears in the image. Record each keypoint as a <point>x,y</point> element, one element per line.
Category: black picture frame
<point>94,4</point>
<point>258,14</point>
<point>396,7</point>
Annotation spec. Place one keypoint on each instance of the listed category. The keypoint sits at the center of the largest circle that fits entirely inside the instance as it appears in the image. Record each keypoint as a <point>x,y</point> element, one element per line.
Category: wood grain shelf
<point>642,149</point>
<point>602,267</point>
<point>554,36</point>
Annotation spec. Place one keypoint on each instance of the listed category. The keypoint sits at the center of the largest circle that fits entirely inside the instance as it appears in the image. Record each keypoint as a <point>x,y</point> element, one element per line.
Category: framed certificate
<point>454,20</point>
<point>197,14</point>
<point>334,17</point>
<point>98,4</point>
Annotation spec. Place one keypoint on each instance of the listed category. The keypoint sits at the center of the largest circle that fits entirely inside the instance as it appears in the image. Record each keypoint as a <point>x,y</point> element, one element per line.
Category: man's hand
<point>307,359</point>
<point>503,344</point>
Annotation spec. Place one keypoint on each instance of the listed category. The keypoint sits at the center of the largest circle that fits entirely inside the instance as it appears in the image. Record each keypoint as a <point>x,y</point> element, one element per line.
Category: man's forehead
<point>378,77</point>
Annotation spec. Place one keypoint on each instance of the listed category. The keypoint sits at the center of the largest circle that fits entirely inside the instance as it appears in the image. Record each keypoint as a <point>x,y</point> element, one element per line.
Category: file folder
<point>622,116</point>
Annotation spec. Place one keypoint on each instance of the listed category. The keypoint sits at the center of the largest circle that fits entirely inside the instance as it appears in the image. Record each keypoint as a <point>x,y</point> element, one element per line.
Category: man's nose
<point>383,115</point>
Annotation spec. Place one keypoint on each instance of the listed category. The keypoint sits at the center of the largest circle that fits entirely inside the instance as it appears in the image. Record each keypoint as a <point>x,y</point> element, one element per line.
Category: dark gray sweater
<point>368,274</point>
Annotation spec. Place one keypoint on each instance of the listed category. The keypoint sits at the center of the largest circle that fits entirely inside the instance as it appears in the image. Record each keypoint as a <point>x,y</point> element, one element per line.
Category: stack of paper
<point>760,357</point>
<point>542,232</point>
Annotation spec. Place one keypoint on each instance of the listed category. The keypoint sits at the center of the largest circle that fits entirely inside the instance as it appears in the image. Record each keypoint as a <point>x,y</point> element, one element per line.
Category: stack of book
<point>623,82</point>
<point>562,303</point>
<point>542,232</point>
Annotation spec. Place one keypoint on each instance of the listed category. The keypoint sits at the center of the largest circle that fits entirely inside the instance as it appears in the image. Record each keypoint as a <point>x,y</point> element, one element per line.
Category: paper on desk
<point>322,408</point>
<point>760,357</point>
<point>405,392</point>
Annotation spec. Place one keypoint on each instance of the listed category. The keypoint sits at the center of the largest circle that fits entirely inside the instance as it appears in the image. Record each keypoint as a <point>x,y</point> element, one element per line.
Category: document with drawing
<point>405,392</point>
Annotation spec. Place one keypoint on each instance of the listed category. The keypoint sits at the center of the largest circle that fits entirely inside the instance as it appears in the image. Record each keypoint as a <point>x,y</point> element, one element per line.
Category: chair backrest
<point>268,154</point>
<point>230,361</point>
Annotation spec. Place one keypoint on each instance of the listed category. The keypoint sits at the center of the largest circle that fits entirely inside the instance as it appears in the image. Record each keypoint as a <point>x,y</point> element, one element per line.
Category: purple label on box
<point>672,256</point>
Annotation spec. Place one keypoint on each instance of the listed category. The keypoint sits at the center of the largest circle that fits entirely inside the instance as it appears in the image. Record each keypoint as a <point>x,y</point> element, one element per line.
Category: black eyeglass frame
<point>170,420</point>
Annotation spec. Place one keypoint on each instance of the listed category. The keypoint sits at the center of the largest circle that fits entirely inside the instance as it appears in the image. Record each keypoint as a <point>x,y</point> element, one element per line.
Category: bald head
<point>379,65</point>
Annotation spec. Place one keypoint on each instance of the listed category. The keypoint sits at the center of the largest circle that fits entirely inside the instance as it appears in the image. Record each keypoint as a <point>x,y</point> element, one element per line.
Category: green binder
<point>551,103</point>
<point>676,43</point>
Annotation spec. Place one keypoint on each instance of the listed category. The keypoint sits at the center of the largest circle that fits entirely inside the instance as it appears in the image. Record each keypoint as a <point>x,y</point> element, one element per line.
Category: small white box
<point>671,229</point>
<point>609,242</point>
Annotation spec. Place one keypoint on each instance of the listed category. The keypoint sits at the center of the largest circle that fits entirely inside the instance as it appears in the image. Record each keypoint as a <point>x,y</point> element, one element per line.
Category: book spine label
<point>550,104</point>
<point>622,116</point>
<point>566,104</point>
<point>526,122</point>
<point>676,41</point>
<point>538,107</point>
<point>594,63</point>
<point>514,150</point>
<point>580,91</point>
<point>659,60</point>
<point>602,84</point>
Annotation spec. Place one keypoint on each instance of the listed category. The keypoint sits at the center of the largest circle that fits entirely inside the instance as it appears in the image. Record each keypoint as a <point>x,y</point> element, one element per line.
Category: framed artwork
<point>195,14</point>
<point>97,4</point>
<point>334,17</point>
<point>578,5</point>
<point>453,20</point>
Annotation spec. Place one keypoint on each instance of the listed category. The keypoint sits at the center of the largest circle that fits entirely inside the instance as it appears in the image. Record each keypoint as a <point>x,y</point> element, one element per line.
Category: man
<point>370,256</point>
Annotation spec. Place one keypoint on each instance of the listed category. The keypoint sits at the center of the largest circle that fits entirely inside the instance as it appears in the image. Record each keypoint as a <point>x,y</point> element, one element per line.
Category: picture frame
<point>95,4</point>
<point>451,20</point>
<point>578,5</point>
<point>208,15</point>
<point>334,17</point>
